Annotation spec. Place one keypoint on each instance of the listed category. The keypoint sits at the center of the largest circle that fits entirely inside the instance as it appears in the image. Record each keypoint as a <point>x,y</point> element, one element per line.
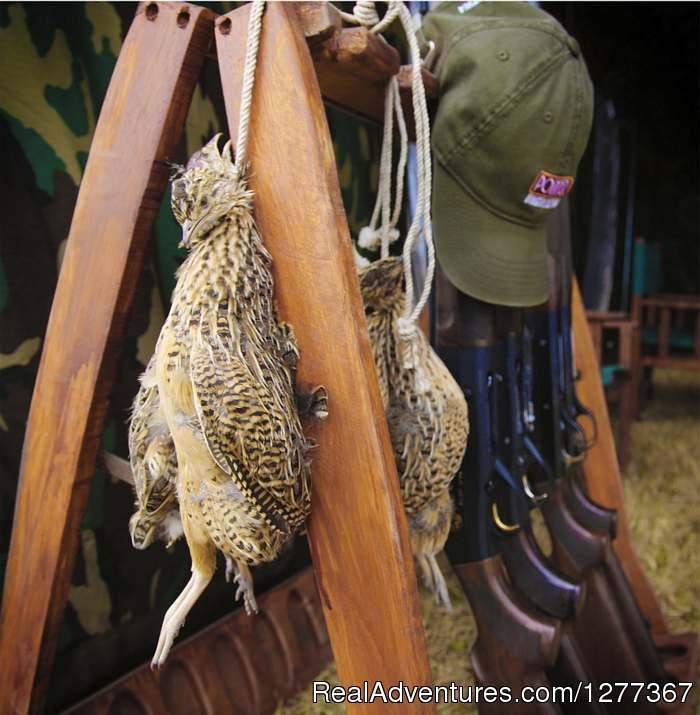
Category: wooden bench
<point>669,322</point>
<point>616,343</point>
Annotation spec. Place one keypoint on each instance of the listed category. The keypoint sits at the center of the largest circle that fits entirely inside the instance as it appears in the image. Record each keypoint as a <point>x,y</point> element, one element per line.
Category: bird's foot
<point>176,614</point>
<point>442,595</point>
<point>426,573</point>
<point>168,633</point>
<point>244,581</point>
<point>313,403</point>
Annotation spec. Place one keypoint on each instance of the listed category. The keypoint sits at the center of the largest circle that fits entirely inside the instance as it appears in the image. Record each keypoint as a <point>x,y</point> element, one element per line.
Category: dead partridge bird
<point>428,429</point>
<point>154,468</point>
<point>225,372</point>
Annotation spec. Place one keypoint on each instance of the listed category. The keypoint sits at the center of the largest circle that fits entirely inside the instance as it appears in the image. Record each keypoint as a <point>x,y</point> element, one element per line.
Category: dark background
<point>644,57</point>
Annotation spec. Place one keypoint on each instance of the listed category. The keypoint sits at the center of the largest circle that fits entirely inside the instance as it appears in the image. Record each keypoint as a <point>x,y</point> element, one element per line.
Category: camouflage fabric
<point>55,64</point>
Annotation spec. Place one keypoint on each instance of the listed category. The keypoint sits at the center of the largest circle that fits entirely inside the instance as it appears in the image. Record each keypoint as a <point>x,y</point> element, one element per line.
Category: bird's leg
<point>230,568</point>
<point>244,579</point>
<point>203,566</point>
<point>313,402</point>
<point>440,587</point>
<point>426,572</point>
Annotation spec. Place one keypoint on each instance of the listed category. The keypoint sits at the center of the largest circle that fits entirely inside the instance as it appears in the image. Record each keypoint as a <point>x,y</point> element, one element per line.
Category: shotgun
<point>572,410</point>
<point>515,642</point>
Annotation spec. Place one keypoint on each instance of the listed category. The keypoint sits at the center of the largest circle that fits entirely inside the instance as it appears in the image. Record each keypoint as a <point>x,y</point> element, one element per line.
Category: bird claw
<point>245,589</point>
<point>319,402</point>
<point>313,403</point>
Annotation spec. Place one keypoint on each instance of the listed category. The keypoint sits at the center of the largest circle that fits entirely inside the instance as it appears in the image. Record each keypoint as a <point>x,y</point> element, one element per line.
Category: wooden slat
<point>357,532</point>
<point>139,125</point>
<point>679,301</point>
<point>600,467</point>
<point>672,361</point>
<point>229,663</point>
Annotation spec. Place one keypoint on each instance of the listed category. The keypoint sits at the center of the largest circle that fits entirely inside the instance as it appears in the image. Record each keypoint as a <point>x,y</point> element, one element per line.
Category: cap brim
<point>484,255</point>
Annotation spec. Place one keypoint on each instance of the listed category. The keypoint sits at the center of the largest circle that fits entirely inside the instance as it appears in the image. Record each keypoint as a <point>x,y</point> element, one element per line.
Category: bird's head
<point>156,495</point>
<point>380,284</point>
<point>146,525</point>
<point>210,188</point>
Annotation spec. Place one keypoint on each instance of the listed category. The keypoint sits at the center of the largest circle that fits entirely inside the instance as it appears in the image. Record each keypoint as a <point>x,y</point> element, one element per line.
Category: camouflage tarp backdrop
<point>56,60</point>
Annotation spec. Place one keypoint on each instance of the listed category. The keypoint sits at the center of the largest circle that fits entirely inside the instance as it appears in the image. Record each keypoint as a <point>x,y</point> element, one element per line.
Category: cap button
<point>573,46</point>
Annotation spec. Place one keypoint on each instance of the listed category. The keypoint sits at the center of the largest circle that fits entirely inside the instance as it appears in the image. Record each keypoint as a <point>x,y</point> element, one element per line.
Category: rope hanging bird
<point>216,422</point>
<point>425,408</point>
<point>365,14</point>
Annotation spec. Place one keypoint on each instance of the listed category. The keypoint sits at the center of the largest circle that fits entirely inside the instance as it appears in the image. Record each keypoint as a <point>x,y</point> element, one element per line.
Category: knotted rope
<point>251,58</point>
<point>364,13</point>
<point>371,236</point>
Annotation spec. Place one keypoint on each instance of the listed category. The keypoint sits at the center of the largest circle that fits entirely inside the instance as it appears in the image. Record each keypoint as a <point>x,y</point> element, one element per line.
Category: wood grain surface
<point>358,534</point>
<point>139,125</point>
<point>600,467</point>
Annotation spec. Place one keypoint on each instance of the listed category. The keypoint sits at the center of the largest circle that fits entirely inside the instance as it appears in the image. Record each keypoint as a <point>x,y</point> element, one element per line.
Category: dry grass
<point>662,489</point>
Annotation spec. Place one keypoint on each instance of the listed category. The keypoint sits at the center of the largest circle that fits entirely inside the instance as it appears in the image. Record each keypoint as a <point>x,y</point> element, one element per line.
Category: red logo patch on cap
<point>547,190</point>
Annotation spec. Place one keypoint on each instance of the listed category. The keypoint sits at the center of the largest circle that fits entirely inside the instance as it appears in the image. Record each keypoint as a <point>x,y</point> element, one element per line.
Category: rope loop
<point>365,13</point>
<point>382,227</point>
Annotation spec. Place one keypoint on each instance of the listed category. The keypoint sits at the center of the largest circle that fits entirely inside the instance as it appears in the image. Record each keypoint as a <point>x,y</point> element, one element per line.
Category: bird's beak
<point>186,233</point>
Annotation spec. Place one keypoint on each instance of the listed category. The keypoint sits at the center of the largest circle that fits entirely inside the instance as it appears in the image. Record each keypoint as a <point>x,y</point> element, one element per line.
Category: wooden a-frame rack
<point>358,537</point>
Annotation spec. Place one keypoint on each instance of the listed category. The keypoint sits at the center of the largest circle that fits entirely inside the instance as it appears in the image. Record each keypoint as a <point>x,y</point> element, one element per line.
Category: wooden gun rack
<point>362,560</point>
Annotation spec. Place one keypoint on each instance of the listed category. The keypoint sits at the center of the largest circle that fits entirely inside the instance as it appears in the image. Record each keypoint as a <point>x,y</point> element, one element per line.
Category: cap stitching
<point>491,24</point>
<point>500,110</point>
<point>539,72</point>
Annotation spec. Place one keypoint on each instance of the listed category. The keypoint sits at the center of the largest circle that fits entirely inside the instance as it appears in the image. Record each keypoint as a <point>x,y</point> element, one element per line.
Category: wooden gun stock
<point>592,516</point>
<point>601,629</point>
<point>514,645</point>
<point>537,579</point>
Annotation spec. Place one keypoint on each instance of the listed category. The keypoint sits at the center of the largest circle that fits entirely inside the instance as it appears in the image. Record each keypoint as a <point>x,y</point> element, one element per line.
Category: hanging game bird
<point>428,429</point>
<point>223,386</point>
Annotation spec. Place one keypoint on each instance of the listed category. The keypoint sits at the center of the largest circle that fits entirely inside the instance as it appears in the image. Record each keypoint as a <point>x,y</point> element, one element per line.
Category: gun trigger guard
<point>500,524</point>
<point>534,498</point>
<point>569,459</point>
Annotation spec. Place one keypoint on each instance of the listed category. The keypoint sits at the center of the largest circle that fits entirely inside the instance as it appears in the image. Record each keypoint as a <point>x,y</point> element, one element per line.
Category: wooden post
<point>664,331</point>
<point>140,123</point>
<point>358,535</point>
<point>600,467</point>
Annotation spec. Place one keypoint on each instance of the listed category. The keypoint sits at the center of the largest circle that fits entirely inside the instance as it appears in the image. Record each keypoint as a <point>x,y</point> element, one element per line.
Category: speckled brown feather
<point>154,467</point>
<point>428,429</point>
<point>223,380</point>
<point>225,367</point>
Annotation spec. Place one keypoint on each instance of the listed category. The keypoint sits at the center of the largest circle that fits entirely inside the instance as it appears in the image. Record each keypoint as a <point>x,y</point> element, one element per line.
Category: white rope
<point>365,13</point>
<point>251,56</point>
<point>421,218</point>
<point>372,237</point>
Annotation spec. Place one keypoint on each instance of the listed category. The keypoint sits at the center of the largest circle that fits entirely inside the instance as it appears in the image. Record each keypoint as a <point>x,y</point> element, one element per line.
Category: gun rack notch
<point>353,64</point>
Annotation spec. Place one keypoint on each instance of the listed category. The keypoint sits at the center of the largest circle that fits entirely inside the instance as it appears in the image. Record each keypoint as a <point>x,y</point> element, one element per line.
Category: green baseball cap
<point>515,112</point>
